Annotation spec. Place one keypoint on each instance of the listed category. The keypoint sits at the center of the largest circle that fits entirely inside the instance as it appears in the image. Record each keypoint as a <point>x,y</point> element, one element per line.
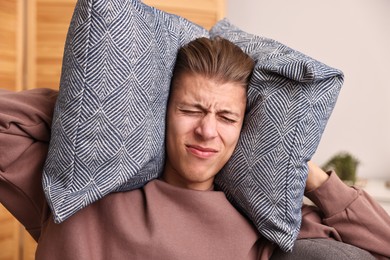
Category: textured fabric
<point>290,99</point>
<point>25,118</point>
<point>342,212</point>
<point>109,119</point>
<point>322,249</point>
<point>158,221</point>
<point>25,121</point>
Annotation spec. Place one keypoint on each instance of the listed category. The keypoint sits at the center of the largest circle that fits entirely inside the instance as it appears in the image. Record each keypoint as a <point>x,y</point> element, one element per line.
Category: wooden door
<point>48,22</point>
<point>11,44</point>
<point>9,236</point>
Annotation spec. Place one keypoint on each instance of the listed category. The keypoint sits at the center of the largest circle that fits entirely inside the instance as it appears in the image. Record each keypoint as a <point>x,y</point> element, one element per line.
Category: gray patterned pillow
<point>290,99</point>
<point>109,119</point>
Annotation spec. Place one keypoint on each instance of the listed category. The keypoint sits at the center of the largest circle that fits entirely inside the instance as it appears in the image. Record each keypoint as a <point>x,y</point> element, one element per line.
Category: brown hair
<point>217,59</point>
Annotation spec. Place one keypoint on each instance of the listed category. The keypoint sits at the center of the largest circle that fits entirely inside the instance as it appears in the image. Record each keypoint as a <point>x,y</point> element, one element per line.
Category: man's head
<point>205,111</point>
<point>217,59</point>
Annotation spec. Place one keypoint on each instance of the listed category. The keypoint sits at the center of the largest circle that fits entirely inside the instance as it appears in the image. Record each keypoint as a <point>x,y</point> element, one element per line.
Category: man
<point>180,216</point>
<point>205,111</point>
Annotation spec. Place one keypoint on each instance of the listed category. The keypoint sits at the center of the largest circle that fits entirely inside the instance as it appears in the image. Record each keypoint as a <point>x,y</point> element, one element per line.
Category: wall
<point>11,49</point>
<point>351,35</point>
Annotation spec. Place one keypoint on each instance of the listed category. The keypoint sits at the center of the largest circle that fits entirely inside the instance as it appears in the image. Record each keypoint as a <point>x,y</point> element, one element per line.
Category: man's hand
<point>316,177</point>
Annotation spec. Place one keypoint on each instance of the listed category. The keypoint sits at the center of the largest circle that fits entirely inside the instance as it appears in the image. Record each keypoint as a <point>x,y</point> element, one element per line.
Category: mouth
<point>201,152</point>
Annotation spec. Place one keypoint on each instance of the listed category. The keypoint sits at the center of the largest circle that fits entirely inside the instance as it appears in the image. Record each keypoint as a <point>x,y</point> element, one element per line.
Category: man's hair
<point>217,59</point>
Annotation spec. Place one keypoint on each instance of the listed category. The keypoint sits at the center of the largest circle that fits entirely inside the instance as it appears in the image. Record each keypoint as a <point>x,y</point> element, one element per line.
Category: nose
<point>207,127</point>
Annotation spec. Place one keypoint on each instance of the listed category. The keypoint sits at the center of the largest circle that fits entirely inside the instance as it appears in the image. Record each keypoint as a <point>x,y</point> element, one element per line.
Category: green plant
<point>345,165</point>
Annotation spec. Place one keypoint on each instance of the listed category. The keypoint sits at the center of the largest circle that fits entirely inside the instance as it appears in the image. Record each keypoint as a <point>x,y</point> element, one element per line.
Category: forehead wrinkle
<point>204,95</point>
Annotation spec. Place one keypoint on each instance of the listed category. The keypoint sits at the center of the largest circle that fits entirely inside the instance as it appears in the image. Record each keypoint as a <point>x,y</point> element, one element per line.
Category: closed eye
<point>228,120</point>
<point>191,112</point>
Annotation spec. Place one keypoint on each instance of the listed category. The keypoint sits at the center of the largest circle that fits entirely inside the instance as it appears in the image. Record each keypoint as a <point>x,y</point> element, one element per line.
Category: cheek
<point>230,137</point>
<point>177,130</point>
<point>181,125</point>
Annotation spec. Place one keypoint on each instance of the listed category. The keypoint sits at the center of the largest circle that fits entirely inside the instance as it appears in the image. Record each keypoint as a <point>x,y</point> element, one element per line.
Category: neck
<point>176,180</point>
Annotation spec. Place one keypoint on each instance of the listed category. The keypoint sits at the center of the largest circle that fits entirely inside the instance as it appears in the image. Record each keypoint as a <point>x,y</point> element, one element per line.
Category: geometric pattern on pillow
<point>109,121</point>
<point>290,99</point>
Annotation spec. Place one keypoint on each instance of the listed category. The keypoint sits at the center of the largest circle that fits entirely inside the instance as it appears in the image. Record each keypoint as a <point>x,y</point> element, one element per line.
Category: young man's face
<point>204,121</point>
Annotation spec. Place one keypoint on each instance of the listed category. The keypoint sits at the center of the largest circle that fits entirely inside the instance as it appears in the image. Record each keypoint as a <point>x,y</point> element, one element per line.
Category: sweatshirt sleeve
<point>25,122</point>
<point>347,214</point>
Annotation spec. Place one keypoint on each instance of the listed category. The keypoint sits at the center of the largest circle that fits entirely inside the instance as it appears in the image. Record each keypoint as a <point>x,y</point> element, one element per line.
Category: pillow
<point>109,119</point>
<point>290,99</point>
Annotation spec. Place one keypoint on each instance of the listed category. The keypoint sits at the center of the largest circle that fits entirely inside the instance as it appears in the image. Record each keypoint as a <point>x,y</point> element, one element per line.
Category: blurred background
<point>351,35</point>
